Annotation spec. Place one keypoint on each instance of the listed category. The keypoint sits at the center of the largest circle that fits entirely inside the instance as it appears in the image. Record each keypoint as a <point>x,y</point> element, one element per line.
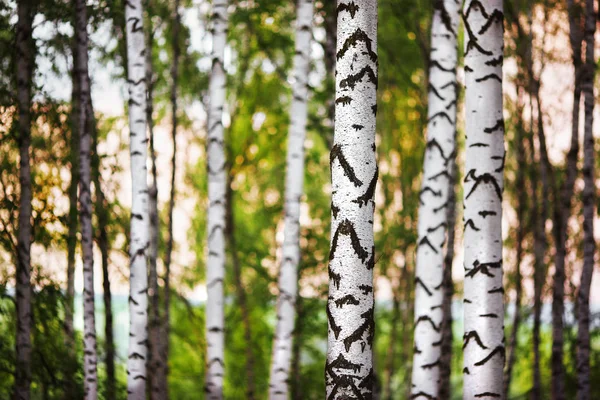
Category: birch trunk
<point>562,215</point>
<point>589,244</point>
<point>483,304</point>
<point>437,172</point>
<point>288,274</point>
<point>155,362</point>
<point>140,241</point>
<point>90,357</point>
<point>24,71</point>
<point>349,368</point>
<point>215,266</point>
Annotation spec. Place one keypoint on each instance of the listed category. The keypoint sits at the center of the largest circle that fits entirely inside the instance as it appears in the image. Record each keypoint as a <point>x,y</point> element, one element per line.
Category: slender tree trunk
<point>296,372</point>
<point>240,292</point>
<point>288,274</point>
<point>24,71</point>
<point>561,218</point>
<point>140,241</point>
<point>155,362</point>
<point>484,301</point>
<point>520,207</point>
<point>445,392</point>
<point>437,171</point>
<point>217,182</point>
<point>90,357</point>
<point>391,355</point>
<point>350,305</point>
<point>589,245</point>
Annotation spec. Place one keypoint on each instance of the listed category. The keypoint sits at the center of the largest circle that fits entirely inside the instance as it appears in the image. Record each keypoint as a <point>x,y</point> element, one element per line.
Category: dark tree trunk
<point>589,245</point>
<point>24,70</point>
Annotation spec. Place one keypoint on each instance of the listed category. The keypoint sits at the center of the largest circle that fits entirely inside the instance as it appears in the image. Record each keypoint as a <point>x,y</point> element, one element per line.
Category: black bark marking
<point>346,228</point>
<point>496,290</point>
<point>431,365</point>
<point>434,144</point>
<point>425,242</point>
<point>490,315</point>
<point>498,350</point>
<point>495,62</point>
<point>466,371</point>
<point>348,299</point>
<point>435,193</point>
<point>485,213</point>
<point>435,228</point>
<point>439,175</point>
<point>486,178</point>
<point>437,94</point>
<point>475,336</point>
<point>444,16</point>
<point>336,153</point>
<point>488,77</point>
<point>502,161</point>
<point>358,36</point>
<point>440,114</point>
<point>334,327</point>
<point>423,395</point>
<point>352,79</point>
<point>335,279</point>
<point>483,268</point>
<point>357,127</point>
<point>334,210</point>
<point>368,195</point>
<point>499,125</point>
<point>351,7</point>
<point>497,16</point>
<point>479,145</point>
<point>366,289</point>
<point>471,224</point>
<point>426,318</point>
<point>367,327</point>
<point>418,281</point>
<point>436,64</point>
<point>343,100</point>
<point>487,394</point>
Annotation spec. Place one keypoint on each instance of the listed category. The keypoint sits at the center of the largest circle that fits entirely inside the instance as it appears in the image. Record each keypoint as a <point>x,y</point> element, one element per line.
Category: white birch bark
<point>288,274</point>
<point>90,357</point>
<point>483,341</point>
<point>140,241</point>
<point>217,182</point>
<point>435,187</point>
<point>349,368</point>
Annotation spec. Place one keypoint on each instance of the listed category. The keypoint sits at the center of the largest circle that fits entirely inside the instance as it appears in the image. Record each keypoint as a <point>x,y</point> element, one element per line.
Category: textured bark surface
<point>24,70</point>
<point>140,241</point>
<point>561,218</point>
<point>589,244</point>
<point>448,289</point>
<point>217,182</point>
<point>520,208</point>
<point>437,171</point>
<point>90,356</point>
<point>288,273</point>
<point>349,367</point>
<point>483,341</point>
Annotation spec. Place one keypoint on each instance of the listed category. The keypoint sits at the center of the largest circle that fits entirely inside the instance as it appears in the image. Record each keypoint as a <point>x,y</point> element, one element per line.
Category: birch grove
<point>217,189</point>
<point>288,273</point>
<point>483,186</point>
<point>437,172</point>
<point>139,229</point>
<point>350,306</point>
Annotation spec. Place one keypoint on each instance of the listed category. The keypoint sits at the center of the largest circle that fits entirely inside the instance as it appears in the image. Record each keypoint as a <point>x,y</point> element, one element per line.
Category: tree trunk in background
<point>102,241</point>
<point>217,182</point>
<point>296,372</point>
<point>589,244</point>
<point>140,241</point>
<point>24,71</point>
<point>433,214</point>
<point>90,357</point>
<point>445,392</point>
<point>288,274</point>
<point>388,374</point>
<point>240,291</point>
<point>162,377</point>
<point>350,306</point>
<point>561,219</point>
<point>483,308</point>
<point>520,208</point>
<point>330,26</point>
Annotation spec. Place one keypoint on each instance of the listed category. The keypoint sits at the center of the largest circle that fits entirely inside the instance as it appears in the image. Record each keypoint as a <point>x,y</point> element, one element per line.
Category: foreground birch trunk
<point>24,71</point>
<point>288,274</point>
<point>350,307</point>
<point>215,266</point>
<point>139,243</point>
<point>483,292</point>
<point>589,244</point>
<point>437,173</point>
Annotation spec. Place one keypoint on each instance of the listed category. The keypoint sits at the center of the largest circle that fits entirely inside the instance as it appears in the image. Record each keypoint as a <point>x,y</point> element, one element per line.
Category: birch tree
<point>90,357</point>
<point>24,72</point>
<point>288,274</point>
<point>434,195</point>
<point>350,306</point>
<point>217,182</point>
<point>589,244</point>
<point>139,243</point>
<point>483,341</point>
